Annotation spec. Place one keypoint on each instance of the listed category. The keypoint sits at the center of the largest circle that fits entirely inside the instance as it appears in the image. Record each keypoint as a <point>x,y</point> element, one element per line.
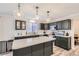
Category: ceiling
<point>57,10</point>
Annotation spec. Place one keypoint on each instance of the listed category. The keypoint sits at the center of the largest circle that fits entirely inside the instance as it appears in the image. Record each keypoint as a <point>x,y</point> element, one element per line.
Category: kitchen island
<point>39,46</point>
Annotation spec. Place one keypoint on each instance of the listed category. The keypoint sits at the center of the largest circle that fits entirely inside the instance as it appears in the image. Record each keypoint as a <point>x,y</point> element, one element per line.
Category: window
<point>33,27</point>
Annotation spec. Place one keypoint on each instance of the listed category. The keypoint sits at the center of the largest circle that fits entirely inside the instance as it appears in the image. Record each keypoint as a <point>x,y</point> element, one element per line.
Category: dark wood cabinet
<point>62,25</point>
<point>20,25</point>
<point>66,24</point>
<point>2,47</point>
<point>48,49</point>
<point>63,42</point>
<point>43,49</point>
<point>59,25</point>
<point>37,50</point>
<point>44,26</point>
<point>22,52</point>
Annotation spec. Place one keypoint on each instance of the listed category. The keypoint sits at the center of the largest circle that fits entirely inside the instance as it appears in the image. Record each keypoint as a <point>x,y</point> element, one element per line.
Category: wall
<point>7,28</point>
<point>1,29</point>
<point>76,26</point>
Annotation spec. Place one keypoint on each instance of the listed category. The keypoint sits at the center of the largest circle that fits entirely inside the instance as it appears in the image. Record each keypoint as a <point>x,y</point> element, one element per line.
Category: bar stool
<point>76,39</point>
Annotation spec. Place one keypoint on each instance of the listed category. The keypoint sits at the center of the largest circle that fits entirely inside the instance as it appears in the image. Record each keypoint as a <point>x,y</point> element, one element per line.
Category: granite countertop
<point>17,44</point>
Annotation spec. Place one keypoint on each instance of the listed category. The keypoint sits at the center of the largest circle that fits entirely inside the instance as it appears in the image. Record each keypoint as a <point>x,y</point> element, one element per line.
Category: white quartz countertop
<point>6,40</point>
<point>62,36</point>
<point>21,43</point>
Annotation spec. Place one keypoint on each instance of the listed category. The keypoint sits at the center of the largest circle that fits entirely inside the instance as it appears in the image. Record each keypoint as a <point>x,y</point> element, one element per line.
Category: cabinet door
<point>66,24</point>
<point>42,26</point>
<point>3,47</point>
<point>58,41</point>
<point>37,50</point>
<point>22,52</point>
<point>48,27</point>
<point>63,42</point>
<point>48,48</point>
<point>66,43</point>
<point>59,25</point>
<point>0,47</point>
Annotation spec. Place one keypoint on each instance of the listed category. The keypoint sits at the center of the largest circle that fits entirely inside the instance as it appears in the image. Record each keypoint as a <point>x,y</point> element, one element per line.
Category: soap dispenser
<point>67,34</point>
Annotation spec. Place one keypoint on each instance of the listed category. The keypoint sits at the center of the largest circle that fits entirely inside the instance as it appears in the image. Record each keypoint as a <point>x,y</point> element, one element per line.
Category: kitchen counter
<point>17,44</point>
<point>7,40</point>
<point>63,36</point>
<point>38,46</point>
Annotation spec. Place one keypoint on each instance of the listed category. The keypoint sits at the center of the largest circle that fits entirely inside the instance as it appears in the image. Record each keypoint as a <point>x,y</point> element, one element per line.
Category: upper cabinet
<point>62,25</point>
<point>59,25</point>
<point>66,24</point>
<point>44,26</point>
<point>20,25</point>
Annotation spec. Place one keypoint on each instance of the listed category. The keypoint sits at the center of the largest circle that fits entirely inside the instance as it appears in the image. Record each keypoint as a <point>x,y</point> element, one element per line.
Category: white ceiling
<point>57,10</point>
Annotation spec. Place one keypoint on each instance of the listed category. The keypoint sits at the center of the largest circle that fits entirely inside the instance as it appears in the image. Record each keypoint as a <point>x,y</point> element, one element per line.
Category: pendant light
<point>48,19</point>
<point>19,10</point>
<point>37,16</point>
<point>37,10</point>
<point>48,13</point>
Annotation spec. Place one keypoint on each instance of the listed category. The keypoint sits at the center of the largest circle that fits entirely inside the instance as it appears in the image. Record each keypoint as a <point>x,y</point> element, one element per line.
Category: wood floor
<point>61,52</point>
<point>57,52</point>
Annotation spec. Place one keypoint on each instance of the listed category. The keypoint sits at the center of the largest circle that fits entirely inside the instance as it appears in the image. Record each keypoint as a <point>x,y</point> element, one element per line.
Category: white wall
<point>7,28</point>
<point>76,26</point>
<point>1,29</point>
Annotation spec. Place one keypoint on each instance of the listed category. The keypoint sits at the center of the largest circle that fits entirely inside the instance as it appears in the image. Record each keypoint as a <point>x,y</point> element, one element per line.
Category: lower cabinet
<point>22,52</point>
<point>37,50</point>
<point>2,47</point>
<point>43,49</point>
<point>48,49</point>
<point>63,42</point>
